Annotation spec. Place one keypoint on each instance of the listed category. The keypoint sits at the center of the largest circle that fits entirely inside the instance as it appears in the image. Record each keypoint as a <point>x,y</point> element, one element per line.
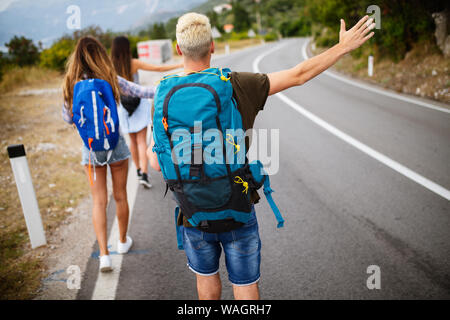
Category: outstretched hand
<point>308,69</point>
<point>353,38</point>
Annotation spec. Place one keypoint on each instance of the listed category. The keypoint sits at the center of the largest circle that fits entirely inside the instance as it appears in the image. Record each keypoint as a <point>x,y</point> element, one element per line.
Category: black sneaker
<point>139,173</point>
<point>144,180</point>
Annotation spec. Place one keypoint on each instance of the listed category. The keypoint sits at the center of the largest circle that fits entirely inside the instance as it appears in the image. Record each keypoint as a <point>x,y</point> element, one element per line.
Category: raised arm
<point>141,65</point>
<point>129,88</point>
<point>308,69</point>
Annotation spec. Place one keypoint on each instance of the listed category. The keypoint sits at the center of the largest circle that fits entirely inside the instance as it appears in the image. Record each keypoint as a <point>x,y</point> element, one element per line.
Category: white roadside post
<point>228,28</point>
<point>27,195</point>
<point>370,66</point>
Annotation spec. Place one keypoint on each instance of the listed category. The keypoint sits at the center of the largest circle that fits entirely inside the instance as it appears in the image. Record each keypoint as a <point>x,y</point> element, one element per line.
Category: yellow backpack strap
<point>222,77</point>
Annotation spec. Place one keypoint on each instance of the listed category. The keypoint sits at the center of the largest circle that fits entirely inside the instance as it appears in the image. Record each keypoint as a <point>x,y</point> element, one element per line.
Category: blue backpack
<point>200,145</point>
<point>95,114</point>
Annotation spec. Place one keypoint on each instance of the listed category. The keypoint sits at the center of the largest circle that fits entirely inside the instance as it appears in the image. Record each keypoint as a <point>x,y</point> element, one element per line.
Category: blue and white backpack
<point>95,115</point>
<point>200,145</point>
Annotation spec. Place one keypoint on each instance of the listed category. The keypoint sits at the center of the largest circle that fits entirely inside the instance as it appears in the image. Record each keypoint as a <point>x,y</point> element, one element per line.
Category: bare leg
<point>134,149</point>
<point>100,200</point>
<point>209,287</point>
<point>141,138</point>
<point>250,292</point>
<point>119,173</point>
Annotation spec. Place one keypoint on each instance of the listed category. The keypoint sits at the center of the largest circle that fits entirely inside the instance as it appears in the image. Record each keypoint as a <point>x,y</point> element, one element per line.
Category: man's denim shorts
<point>101,158</point>
<point>242,249</point>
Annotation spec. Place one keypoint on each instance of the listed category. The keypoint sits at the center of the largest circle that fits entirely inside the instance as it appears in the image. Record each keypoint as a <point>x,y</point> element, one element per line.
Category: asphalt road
<point>344,209</point>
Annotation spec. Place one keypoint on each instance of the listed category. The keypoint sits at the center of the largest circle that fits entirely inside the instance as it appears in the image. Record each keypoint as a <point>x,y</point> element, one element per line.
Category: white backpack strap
<point>109,119</point>
<point>94,108</point>
<point>82,118</point>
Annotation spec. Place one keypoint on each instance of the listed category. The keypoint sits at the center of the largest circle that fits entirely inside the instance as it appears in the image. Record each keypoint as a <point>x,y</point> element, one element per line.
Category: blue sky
<point>5,3</point>
<point>46,20</point>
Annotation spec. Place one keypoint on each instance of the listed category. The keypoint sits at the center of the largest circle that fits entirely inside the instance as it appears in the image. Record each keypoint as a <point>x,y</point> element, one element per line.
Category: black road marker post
<point>27,195</point>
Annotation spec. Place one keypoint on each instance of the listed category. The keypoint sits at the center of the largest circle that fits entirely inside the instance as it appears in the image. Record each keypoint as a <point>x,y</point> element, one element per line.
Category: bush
<point>300,27</point>
<point>55,57</point>
<point>23,51</point>
<point>239,36</point>
<point>3,64</point>
<point>271,36</point>
<point>327,38</point>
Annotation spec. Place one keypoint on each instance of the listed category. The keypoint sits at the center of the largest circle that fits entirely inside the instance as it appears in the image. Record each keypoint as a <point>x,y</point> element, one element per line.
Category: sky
<point>5,3</point>
<point>46,20</point>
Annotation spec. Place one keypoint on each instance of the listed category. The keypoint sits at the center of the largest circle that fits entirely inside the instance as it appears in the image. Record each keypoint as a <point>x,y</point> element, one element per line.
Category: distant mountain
<point>45,20</point>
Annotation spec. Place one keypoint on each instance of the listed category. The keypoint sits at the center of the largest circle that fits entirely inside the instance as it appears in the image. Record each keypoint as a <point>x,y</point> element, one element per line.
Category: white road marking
<point>106,284</point>
<point>376,90</point>
<point>414,176</point>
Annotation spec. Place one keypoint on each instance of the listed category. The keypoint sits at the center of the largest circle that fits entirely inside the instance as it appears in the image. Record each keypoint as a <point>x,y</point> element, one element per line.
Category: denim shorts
<point>101,158</point>
<point>242,249</point>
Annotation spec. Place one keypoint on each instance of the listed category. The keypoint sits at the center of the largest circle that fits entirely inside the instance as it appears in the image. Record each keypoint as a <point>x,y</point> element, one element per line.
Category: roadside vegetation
<point>423,72</point>
<point>59,180</point>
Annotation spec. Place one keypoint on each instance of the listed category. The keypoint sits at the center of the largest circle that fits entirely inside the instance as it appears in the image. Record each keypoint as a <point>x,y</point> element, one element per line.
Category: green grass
<point>19,275</point>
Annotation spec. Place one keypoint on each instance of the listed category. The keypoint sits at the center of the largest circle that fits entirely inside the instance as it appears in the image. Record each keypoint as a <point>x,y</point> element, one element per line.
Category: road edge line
<point>376,90</point>
<point>106,285</point>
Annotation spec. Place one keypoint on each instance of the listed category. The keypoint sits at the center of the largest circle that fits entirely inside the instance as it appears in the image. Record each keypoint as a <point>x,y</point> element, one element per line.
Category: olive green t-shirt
<point>250,90</point>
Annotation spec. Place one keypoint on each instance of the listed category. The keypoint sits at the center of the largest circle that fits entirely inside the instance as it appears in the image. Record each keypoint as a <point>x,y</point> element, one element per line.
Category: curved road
<point>345,207</point>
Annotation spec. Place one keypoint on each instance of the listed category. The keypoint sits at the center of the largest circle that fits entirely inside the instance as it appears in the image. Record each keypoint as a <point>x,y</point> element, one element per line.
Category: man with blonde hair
<point>250,90</point>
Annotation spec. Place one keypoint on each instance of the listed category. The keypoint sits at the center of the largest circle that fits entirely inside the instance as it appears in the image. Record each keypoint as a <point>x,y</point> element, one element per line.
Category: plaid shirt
<point>127,88</point>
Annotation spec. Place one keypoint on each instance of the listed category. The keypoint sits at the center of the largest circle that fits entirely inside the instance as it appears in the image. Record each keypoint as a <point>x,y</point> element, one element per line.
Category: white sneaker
<point>124,247</point>
<point>105,264</point>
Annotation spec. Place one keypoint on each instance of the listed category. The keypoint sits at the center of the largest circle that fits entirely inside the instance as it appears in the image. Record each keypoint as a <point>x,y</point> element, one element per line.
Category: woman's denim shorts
<point>101,158</point>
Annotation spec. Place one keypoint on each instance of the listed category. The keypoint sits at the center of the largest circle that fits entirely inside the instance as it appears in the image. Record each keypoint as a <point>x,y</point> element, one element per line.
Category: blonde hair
<point>89,59</point>
<point>194,35</point>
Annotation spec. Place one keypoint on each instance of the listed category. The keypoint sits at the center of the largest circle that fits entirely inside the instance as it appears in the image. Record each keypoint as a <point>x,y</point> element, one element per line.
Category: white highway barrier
<point>27,195</point>
<point>370,66</point>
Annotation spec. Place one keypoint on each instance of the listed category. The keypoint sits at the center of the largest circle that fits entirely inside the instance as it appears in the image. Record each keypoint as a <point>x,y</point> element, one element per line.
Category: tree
<point>171,27</point>
<point>23,51</point>
<point>241,20</point>
<point>105,37</point>
<point>158,31</point>
<point>213,18</point>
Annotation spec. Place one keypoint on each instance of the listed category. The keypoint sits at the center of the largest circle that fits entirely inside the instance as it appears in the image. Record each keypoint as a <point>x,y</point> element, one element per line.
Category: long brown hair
<point>121,57</point>
<point>91,59</point>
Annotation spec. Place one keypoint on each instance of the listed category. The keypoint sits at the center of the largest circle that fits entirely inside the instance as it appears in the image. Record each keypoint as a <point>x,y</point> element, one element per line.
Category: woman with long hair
<point>135,121</point>
<point>90,60</point>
